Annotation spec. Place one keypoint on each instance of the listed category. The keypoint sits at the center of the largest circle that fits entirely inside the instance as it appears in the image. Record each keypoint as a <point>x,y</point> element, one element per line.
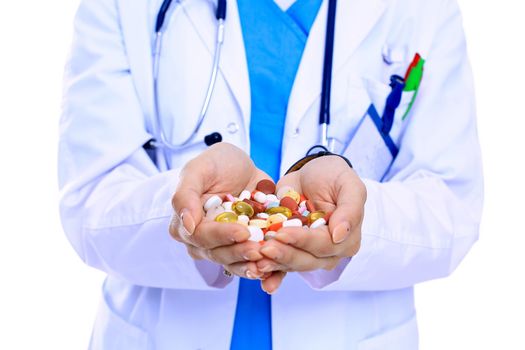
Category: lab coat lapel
<point>233,66</point>
<point>138,40</point>
<point>354,20</point>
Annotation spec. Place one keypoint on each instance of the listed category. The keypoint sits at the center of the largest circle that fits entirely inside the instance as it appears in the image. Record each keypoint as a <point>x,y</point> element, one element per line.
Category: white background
<point>48,297</point>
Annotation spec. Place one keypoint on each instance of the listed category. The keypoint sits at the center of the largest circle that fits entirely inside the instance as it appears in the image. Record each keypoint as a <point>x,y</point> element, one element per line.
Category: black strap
<point>309,157</point>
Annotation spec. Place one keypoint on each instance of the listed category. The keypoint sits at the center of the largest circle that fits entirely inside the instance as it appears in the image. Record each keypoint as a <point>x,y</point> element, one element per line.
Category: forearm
<point>119,224</point>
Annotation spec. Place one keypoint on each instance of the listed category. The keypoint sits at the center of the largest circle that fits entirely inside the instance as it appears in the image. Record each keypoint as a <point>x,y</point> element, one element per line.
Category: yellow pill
<point>276,218</point>
<point>227,217</point>
<point>280,210</point>
<point>243,208</point>
<point>258,223</point>
<point>293,195</point>
<point>316,215</point>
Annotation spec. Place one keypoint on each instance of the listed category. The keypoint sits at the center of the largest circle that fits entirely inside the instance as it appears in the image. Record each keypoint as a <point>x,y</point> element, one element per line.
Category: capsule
<point>227,217</point>
<point>316,215</point>
<point>275,218</point>
<point>243,208</point>
<point>280,210</point>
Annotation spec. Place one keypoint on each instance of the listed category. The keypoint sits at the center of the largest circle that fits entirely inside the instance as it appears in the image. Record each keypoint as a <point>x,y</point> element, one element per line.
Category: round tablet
<point>289,203</point>
<point>266,186</point>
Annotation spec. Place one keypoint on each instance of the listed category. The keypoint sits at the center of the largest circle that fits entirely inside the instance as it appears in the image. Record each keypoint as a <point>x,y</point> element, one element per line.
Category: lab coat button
<point>233,128</point>
<point>296,132</point>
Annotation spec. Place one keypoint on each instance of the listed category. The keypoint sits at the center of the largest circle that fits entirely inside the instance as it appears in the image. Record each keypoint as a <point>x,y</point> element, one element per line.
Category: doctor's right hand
<point>221,169</point>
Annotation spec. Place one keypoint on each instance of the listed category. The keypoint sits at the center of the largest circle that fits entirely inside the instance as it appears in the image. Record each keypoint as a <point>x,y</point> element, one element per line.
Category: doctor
<point>350,286</point>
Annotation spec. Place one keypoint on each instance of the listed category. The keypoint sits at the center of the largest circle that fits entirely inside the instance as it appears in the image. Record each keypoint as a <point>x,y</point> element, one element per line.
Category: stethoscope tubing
<point>324,113</point>
<point>163,141</point>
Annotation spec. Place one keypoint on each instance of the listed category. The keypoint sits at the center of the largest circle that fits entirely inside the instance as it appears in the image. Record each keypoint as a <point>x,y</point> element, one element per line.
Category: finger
<point>211,234</point>
<point>186,201</point>
<point>317,241</point>
<point>292,259</point>
<point>196,253</point>
<point>244,269</point>
<point>291,180</point>
<point>348,215</point>
<point>273,282</point>
<point>241,252</point>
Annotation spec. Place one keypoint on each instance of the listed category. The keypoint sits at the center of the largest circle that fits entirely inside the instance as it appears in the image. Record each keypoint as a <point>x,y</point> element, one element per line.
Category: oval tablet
<point>243,208</point>
<point>227,217</point>
<point>280,210</point>
<point>212,202</point>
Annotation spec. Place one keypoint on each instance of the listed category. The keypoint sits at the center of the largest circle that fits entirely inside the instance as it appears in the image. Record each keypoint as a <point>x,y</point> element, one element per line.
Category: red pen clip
<point>414,63</point>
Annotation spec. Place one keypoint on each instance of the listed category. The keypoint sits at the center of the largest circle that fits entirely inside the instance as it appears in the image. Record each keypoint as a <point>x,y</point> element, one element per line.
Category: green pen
<point>413,81</point>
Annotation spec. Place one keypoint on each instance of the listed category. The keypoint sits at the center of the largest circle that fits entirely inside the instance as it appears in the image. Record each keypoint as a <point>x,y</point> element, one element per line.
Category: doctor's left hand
<point>221,169</point>
<point>332,186</point>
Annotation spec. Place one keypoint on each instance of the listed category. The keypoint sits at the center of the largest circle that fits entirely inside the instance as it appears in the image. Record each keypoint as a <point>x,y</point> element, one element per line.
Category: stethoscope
<point>162,142</point>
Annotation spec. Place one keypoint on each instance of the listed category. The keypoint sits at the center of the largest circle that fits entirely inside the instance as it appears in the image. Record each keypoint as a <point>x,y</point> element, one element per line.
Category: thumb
<point>349,210</point>
<point>187,204</point>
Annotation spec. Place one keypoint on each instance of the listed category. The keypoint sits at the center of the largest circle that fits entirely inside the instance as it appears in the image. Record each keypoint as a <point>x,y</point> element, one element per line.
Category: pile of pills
<point>264,212</point>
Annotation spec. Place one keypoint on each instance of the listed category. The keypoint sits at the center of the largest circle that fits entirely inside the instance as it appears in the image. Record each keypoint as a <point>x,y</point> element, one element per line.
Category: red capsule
<point>257,207</point>
<point>266,186</point>
<point>310,206</point>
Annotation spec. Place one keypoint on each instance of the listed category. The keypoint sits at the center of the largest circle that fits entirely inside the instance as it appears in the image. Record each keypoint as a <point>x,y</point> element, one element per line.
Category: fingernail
<point>265,276</point>
<point>271,252</point>
<point>266,268</point>
<point>252,255</point>
<point>341,232</point>
<point>187,221</point>
<point>252,275</point>
<point>284,238</point>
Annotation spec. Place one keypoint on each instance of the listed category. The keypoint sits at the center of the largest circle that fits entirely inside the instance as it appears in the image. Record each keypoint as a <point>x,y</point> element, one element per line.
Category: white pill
<point>318,223</point>
<point>263,216</point>
<point>243,219</point>
<point>227,206</point>
<point>245,195</point>
<point>212,202</point>
<point>272,198</point>
<point>256,234</point>
<point>283,190</point>
<point>213,213</point>
<point>260,197</point>
<point>302,204</point>
<point>293,223</point>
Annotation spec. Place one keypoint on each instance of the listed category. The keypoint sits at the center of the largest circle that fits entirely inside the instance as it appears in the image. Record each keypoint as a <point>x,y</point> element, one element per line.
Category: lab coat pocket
<point>378,93</point>
<point>402,337</point>
<point>113,332</point>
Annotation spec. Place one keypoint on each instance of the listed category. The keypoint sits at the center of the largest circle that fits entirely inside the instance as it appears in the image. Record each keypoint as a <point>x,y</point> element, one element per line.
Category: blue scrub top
<point>274,42</point>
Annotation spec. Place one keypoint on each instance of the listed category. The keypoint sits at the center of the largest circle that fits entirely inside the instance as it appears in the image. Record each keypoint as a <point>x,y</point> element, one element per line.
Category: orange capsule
<point>275,227</point>
<point>327,216</point>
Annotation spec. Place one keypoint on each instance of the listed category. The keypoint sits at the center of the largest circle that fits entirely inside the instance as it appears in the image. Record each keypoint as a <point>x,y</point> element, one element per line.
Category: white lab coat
<point>115,205</point>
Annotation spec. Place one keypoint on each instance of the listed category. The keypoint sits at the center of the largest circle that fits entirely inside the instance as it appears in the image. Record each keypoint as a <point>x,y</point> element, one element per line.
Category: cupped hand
<point>220,170</point>
<point>331,186</point>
